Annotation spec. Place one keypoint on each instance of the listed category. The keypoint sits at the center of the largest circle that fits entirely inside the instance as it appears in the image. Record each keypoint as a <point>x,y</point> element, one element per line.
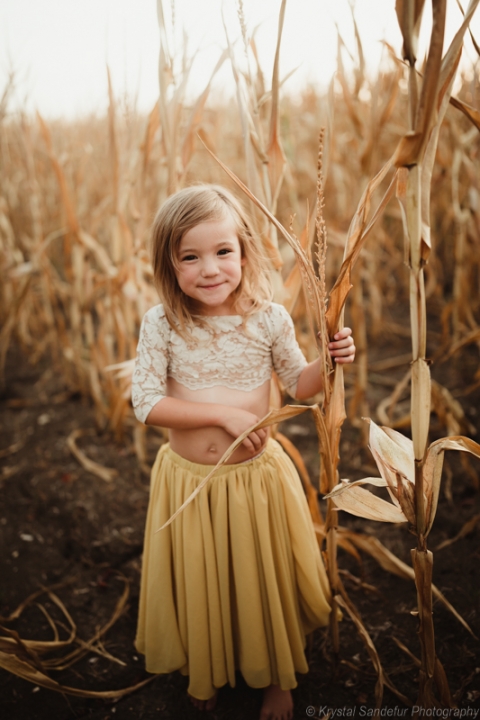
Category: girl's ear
<point>243,261</point>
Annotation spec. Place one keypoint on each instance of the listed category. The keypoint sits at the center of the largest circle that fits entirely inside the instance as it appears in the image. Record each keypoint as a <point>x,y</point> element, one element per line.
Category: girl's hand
<point>237,421</point>
<point>342,348</point>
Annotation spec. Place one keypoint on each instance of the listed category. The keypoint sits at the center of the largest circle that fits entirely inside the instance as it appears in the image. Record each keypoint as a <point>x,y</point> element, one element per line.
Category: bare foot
<point>208,705</point>
<point>277,704</point>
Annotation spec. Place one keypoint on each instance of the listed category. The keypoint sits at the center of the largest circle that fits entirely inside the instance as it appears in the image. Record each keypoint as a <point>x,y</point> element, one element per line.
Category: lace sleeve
<point>149,379</point>
<point>288,359</point>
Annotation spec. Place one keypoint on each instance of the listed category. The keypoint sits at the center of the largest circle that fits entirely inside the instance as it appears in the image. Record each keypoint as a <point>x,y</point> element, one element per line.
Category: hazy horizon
<point>59,49</point>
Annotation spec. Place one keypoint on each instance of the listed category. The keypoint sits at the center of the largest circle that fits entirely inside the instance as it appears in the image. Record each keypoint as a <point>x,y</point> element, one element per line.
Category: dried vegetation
<point>398,165</point>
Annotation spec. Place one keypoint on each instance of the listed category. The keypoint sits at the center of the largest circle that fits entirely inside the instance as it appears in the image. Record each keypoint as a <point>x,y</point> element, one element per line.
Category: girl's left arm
<point>342,350</point>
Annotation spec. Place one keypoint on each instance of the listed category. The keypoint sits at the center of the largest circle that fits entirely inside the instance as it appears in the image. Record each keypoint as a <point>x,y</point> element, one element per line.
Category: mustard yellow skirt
<point>236,581</point>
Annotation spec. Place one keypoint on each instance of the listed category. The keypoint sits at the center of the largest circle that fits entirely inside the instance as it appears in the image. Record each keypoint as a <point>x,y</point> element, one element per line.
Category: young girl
<point>236,581</point>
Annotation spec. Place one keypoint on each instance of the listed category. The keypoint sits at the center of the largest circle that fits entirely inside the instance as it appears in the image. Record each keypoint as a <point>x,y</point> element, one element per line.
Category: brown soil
<point>61,524</point>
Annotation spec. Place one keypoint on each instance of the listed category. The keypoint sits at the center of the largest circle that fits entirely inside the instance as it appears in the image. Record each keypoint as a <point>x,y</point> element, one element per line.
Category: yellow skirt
<point>236,581</point>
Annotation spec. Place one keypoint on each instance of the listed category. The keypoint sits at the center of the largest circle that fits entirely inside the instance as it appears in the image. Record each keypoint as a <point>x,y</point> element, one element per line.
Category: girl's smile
<point>209,265</point>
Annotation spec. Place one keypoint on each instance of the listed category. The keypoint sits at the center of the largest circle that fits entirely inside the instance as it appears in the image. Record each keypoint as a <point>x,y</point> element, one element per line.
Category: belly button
<point>212,449</point>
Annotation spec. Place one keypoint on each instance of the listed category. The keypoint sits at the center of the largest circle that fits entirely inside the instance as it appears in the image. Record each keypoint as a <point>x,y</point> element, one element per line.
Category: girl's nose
<point>209,267</point>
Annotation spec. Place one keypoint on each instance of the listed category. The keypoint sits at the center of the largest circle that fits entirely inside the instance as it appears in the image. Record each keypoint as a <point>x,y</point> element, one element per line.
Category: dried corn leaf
<point>344,602</point>
<point>362,503</point>
<point>56,636</point>
<point>165,79</point>
<point>432,472</point>
<point>9,325</point>
<point>99,252</point>
<point>293,286</point>
<point>391,563</point>
<point>94,645</point>
<point>449,69</point>
<point>471,113</point>
<point>38,646</point>
<point>437,79</point>
<point>107,474</point>
<point>471,337</point>
<point>350,100</point>
<point>310,491</point>
<point>360,67</point>
<point>409,16</point>
<point>393,453</point>
<point>405,649</point>
<point>357,234</point>
<point>412,146</point>
<point>26,671</point>
<point>29,650</point>
<point>449,411</point>
<point>343,542</point>
<point>345,484</point>
<point>114,162</point>
<point>153,124</point>
<point>293,283</point>
<point>467,528</point>
<point>121,370</point>
<point>70,214</point>
<point>382,678</point>
<point>246,122</point>
<point>12,644</point>
<point>276,156</point>
<point>19,610</point>
<point>197,114</point>
<point>406,498</point>
<point>452,56</point>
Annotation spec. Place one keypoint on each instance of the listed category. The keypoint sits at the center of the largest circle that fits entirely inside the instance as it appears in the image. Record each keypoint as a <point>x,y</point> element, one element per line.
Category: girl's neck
<point>235,309</point>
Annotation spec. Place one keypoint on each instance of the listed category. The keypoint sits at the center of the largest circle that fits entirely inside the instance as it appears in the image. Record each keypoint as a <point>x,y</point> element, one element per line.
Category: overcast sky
<point>59,49</point>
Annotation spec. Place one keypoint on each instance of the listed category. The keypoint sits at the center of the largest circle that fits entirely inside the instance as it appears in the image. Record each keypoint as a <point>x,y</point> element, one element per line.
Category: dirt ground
<point>63,527</point>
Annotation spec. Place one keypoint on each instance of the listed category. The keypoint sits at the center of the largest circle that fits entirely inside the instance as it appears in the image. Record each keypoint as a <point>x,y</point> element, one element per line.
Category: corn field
<point>378,220</point>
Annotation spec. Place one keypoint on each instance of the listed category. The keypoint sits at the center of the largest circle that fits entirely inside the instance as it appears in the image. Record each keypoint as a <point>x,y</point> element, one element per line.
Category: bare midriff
<point>207,445</point>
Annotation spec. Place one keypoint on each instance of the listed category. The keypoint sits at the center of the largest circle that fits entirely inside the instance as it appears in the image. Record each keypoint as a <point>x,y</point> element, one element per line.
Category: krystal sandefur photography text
<point>366,711</point>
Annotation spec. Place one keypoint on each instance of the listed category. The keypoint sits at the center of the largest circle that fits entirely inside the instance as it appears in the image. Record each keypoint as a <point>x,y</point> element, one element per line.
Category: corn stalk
<point>409,469</point>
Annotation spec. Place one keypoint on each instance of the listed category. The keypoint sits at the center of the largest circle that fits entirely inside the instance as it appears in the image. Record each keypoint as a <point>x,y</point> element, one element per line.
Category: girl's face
<point>209,266</point>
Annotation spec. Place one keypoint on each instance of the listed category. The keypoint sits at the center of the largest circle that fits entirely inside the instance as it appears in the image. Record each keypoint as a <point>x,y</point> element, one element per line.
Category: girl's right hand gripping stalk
<point>237,421</point>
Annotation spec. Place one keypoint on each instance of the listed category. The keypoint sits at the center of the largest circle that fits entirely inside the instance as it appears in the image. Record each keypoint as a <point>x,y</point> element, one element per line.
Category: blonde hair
<point>180,213</point>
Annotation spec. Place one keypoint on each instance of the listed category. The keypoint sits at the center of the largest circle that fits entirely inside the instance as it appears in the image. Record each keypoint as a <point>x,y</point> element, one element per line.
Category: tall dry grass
<point>59,192</point>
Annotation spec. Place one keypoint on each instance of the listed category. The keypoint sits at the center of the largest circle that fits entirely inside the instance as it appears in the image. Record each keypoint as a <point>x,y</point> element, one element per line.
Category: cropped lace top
<point>225,352</point>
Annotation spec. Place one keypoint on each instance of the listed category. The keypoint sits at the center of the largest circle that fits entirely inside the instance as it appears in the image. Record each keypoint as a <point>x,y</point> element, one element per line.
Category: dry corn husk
<point>395,458</point>
<point>24,657</point>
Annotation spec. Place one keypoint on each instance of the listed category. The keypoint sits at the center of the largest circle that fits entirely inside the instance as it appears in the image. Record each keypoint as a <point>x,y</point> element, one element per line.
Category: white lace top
<point>222,353</point>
